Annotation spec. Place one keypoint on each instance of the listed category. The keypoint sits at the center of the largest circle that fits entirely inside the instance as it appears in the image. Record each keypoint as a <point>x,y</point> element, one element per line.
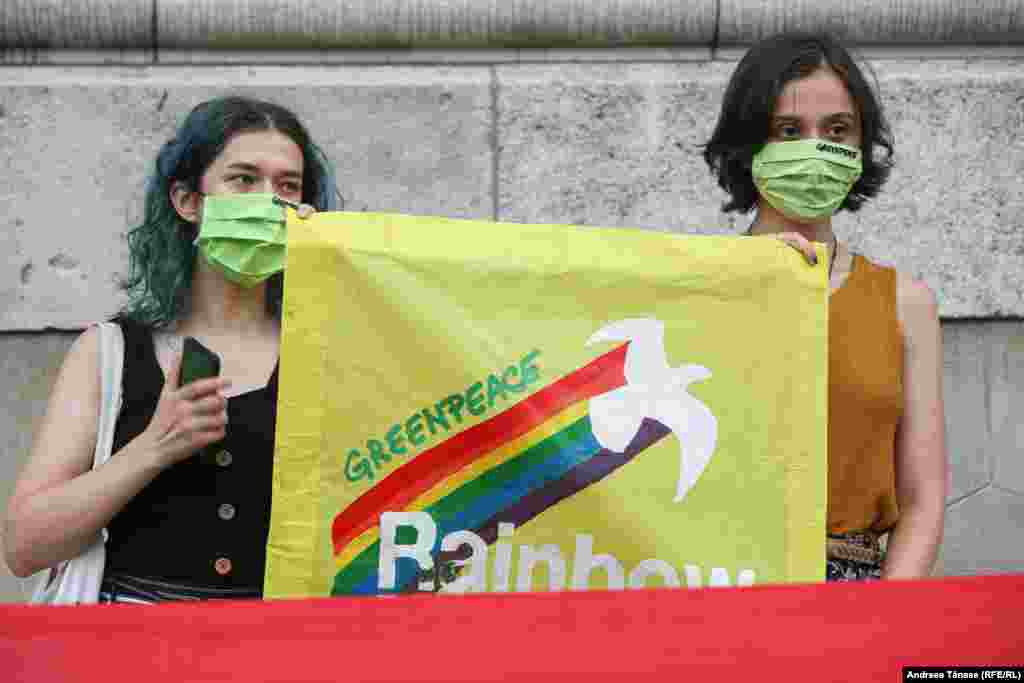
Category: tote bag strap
<point>111,371</point>
<point>78,579</point>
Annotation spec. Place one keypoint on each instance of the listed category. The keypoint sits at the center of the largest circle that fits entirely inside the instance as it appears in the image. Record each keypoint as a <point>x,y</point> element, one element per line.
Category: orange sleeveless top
<point>865,400</point>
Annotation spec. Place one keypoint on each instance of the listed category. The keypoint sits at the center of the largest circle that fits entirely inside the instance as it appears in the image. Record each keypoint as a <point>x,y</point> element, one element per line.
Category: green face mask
<point>243,236</point>
<point>806,179</point>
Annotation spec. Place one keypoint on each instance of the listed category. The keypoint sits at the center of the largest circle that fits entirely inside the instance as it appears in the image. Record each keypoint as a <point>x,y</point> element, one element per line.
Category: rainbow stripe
<point>509,468</point>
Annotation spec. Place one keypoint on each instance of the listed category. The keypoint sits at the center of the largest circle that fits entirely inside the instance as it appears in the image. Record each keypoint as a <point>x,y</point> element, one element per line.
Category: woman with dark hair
<point>801,136</point>
<point>181,526</point>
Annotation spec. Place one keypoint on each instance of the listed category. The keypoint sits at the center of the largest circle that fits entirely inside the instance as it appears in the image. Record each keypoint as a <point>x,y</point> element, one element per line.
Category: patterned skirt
<point>853,557</point>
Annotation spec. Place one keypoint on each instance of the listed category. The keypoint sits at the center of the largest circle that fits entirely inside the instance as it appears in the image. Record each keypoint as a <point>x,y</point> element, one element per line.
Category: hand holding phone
<point>190,418</point>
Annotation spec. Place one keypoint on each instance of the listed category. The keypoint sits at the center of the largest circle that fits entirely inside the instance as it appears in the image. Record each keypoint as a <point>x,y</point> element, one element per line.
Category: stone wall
<point>586,111</point>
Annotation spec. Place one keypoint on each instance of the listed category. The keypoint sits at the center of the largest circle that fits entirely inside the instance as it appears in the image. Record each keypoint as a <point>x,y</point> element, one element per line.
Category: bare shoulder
<point>86,347</point>
<point>917,307</point>
<point>81,368</point>
<point>914,294</point>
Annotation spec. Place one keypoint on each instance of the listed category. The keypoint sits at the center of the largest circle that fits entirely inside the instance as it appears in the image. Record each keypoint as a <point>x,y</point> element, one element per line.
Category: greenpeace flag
<point>470,406</point>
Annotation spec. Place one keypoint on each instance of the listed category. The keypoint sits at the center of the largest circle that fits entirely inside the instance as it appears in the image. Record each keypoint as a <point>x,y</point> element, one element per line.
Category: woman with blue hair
<point>181,526</point>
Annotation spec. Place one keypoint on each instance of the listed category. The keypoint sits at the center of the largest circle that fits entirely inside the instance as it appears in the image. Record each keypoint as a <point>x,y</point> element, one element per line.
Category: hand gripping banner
<point>470,406</point>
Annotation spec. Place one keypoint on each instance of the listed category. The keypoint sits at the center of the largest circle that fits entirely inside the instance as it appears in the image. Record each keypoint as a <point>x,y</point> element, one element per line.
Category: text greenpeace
<point>411,433</point>
<point>478,568</point>
<point>834,149</point>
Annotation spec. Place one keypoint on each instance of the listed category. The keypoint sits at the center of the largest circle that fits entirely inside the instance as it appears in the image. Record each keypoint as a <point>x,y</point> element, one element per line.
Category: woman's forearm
<point>60,522</point>
<point>914,542</point>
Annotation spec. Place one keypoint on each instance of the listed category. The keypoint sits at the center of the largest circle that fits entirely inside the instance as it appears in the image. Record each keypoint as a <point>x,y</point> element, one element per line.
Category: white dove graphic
<point>656,391</point>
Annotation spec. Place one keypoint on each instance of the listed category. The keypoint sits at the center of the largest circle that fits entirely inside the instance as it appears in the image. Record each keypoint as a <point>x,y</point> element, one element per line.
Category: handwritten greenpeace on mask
<point>472,574</point>
<point>422,426</point>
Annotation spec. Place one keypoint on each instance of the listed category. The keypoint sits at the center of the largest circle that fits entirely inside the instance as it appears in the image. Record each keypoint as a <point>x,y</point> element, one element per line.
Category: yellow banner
<point>470,406</point>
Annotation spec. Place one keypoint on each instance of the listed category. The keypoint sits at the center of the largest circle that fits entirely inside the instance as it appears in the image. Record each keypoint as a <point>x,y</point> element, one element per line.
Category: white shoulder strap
<point>78,580</point>
<point>111,370</point>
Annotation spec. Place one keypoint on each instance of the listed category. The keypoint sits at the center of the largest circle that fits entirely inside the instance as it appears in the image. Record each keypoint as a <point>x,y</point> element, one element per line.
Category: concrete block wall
<point>567,131</point>
<point>326,24</point>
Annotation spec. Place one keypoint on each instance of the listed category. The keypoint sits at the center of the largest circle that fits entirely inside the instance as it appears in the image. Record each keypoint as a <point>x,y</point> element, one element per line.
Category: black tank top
<point>203,522</point>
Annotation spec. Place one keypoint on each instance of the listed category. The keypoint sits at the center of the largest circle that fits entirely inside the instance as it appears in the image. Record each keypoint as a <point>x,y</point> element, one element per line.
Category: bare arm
<point>59,502</point>
<point>920,441</point>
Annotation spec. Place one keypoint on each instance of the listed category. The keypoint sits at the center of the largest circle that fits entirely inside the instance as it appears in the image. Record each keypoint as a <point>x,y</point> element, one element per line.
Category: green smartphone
<point>199,362</point>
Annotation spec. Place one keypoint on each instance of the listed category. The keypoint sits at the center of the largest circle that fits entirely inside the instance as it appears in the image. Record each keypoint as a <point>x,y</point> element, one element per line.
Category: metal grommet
<point>226,511</point>
<point>224,458</point>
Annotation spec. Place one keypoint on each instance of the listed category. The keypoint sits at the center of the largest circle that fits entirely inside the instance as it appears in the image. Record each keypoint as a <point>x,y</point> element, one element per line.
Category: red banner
<point>828,632</point>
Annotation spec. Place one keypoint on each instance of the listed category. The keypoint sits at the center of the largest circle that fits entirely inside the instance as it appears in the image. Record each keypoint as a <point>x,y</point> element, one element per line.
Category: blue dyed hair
<point>161,251</point>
